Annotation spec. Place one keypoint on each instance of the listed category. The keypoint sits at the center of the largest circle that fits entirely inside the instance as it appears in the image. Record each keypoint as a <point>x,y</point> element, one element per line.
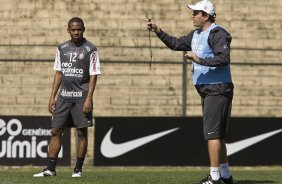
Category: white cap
<point>204,5</point>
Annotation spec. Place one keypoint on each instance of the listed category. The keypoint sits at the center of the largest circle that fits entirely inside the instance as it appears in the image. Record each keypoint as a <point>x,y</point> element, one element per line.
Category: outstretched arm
<point>178,44</point>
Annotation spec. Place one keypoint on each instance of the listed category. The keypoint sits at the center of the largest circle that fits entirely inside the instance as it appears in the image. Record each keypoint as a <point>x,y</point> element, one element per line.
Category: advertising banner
<point>24,141</point>
<point>178,141</point>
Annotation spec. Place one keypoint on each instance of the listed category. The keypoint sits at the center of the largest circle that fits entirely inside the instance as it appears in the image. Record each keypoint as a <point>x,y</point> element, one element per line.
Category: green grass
<point>139,175</point>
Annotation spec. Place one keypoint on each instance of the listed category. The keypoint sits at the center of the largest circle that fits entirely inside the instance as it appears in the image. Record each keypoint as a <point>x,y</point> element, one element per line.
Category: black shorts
<point>216,115</point>
<point>70,114</point>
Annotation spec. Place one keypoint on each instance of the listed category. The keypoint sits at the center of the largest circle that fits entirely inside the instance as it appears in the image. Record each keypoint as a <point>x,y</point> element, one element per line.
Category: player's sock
<point>79,163</point>
<point>52,164</point>
<point>214,173</point>
<point>224,170</point>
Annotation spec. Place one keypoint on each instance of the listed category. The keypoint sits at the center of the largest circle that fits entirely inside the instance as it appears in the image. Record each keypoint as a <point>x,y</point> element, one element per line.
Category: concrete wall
<point>32,28</point>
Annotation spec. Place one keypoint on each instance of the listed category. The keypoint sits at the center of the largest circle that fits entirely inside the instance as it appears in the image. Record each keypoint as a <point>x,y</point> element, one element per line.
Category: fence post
<point>184,85</point>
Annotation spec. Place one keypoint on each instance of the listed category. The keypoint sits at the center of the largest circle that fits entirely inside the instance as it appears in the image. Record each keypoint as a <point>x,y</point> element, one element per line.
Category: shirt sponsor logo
<point>67,70</point>
<point>66,93</point>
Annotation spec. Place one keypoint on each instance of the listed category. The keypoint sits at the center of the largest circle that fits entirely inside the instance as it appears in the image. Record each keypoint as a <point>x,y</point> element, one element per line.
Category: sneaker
<point>227,180</point>
<point>209,180</point>
<point>45,173</point>
<point>76,173</point>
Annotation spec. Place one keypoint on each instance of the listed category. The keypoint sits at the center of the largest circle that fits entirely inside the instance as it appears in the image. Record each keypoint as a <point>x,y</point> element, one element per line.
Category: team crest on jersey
<point>81,55</point>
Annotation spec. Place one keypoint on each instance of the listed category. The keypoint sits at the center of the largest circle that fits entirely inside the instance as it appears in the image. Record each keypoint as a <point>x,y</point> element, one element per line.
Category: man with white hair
<point>208,47</point>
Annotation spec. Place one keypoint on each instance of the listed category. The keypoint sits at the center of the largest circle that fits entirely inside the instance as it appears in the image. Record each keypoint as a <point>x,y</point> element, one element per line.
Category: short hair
<point>76,19</point>
<point>211,18</point>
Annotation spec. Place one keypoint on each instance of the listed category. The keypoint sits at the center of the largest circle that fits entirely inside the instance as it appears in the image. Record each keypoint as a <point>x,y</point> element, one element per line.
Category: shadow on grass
<point>253,181</point>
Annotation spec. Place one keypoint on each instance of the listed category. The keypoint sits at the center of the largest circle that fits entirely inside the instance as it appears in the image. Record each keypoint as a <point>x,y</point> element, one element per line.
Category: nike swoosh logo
<point>235,147</point>
<point>112,150</point>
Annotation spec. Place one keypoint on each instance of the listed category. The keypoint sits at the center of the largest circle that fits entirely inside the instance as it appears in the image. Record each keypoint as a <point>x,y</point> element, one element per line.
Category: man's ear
<point>207,16</point>
<point>68,30</point>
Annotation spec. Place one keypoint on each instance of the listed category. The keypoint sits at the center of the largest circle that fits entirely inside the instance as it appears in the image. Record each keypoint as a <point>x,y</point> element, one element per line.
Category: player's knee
<point>82,133</point>
<point>56,132</point>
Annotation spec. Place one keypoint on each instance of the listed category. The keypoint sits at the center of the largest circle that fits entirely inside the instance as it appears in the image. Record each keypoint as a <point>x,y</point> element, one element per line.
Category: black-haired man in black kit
<point>77,67</point>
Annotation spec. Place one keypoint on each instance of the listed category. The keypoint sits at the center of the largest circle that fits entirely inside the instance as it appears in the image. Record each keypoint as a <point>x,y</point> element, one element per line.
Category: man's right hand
<point>151,26</point>
<point>51,106</point>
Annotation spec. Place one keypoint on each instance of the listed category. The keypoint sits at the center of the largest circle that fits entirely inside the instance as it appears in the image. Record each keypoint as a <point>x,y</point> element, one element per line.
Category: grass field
<point>139,175</point>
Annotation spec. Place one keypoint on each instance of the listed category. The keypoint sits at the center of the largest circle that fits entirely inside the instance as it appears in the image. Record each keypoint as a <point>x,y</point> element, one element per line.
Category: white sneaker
<point>45,173</point>
<point>76,173</point>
